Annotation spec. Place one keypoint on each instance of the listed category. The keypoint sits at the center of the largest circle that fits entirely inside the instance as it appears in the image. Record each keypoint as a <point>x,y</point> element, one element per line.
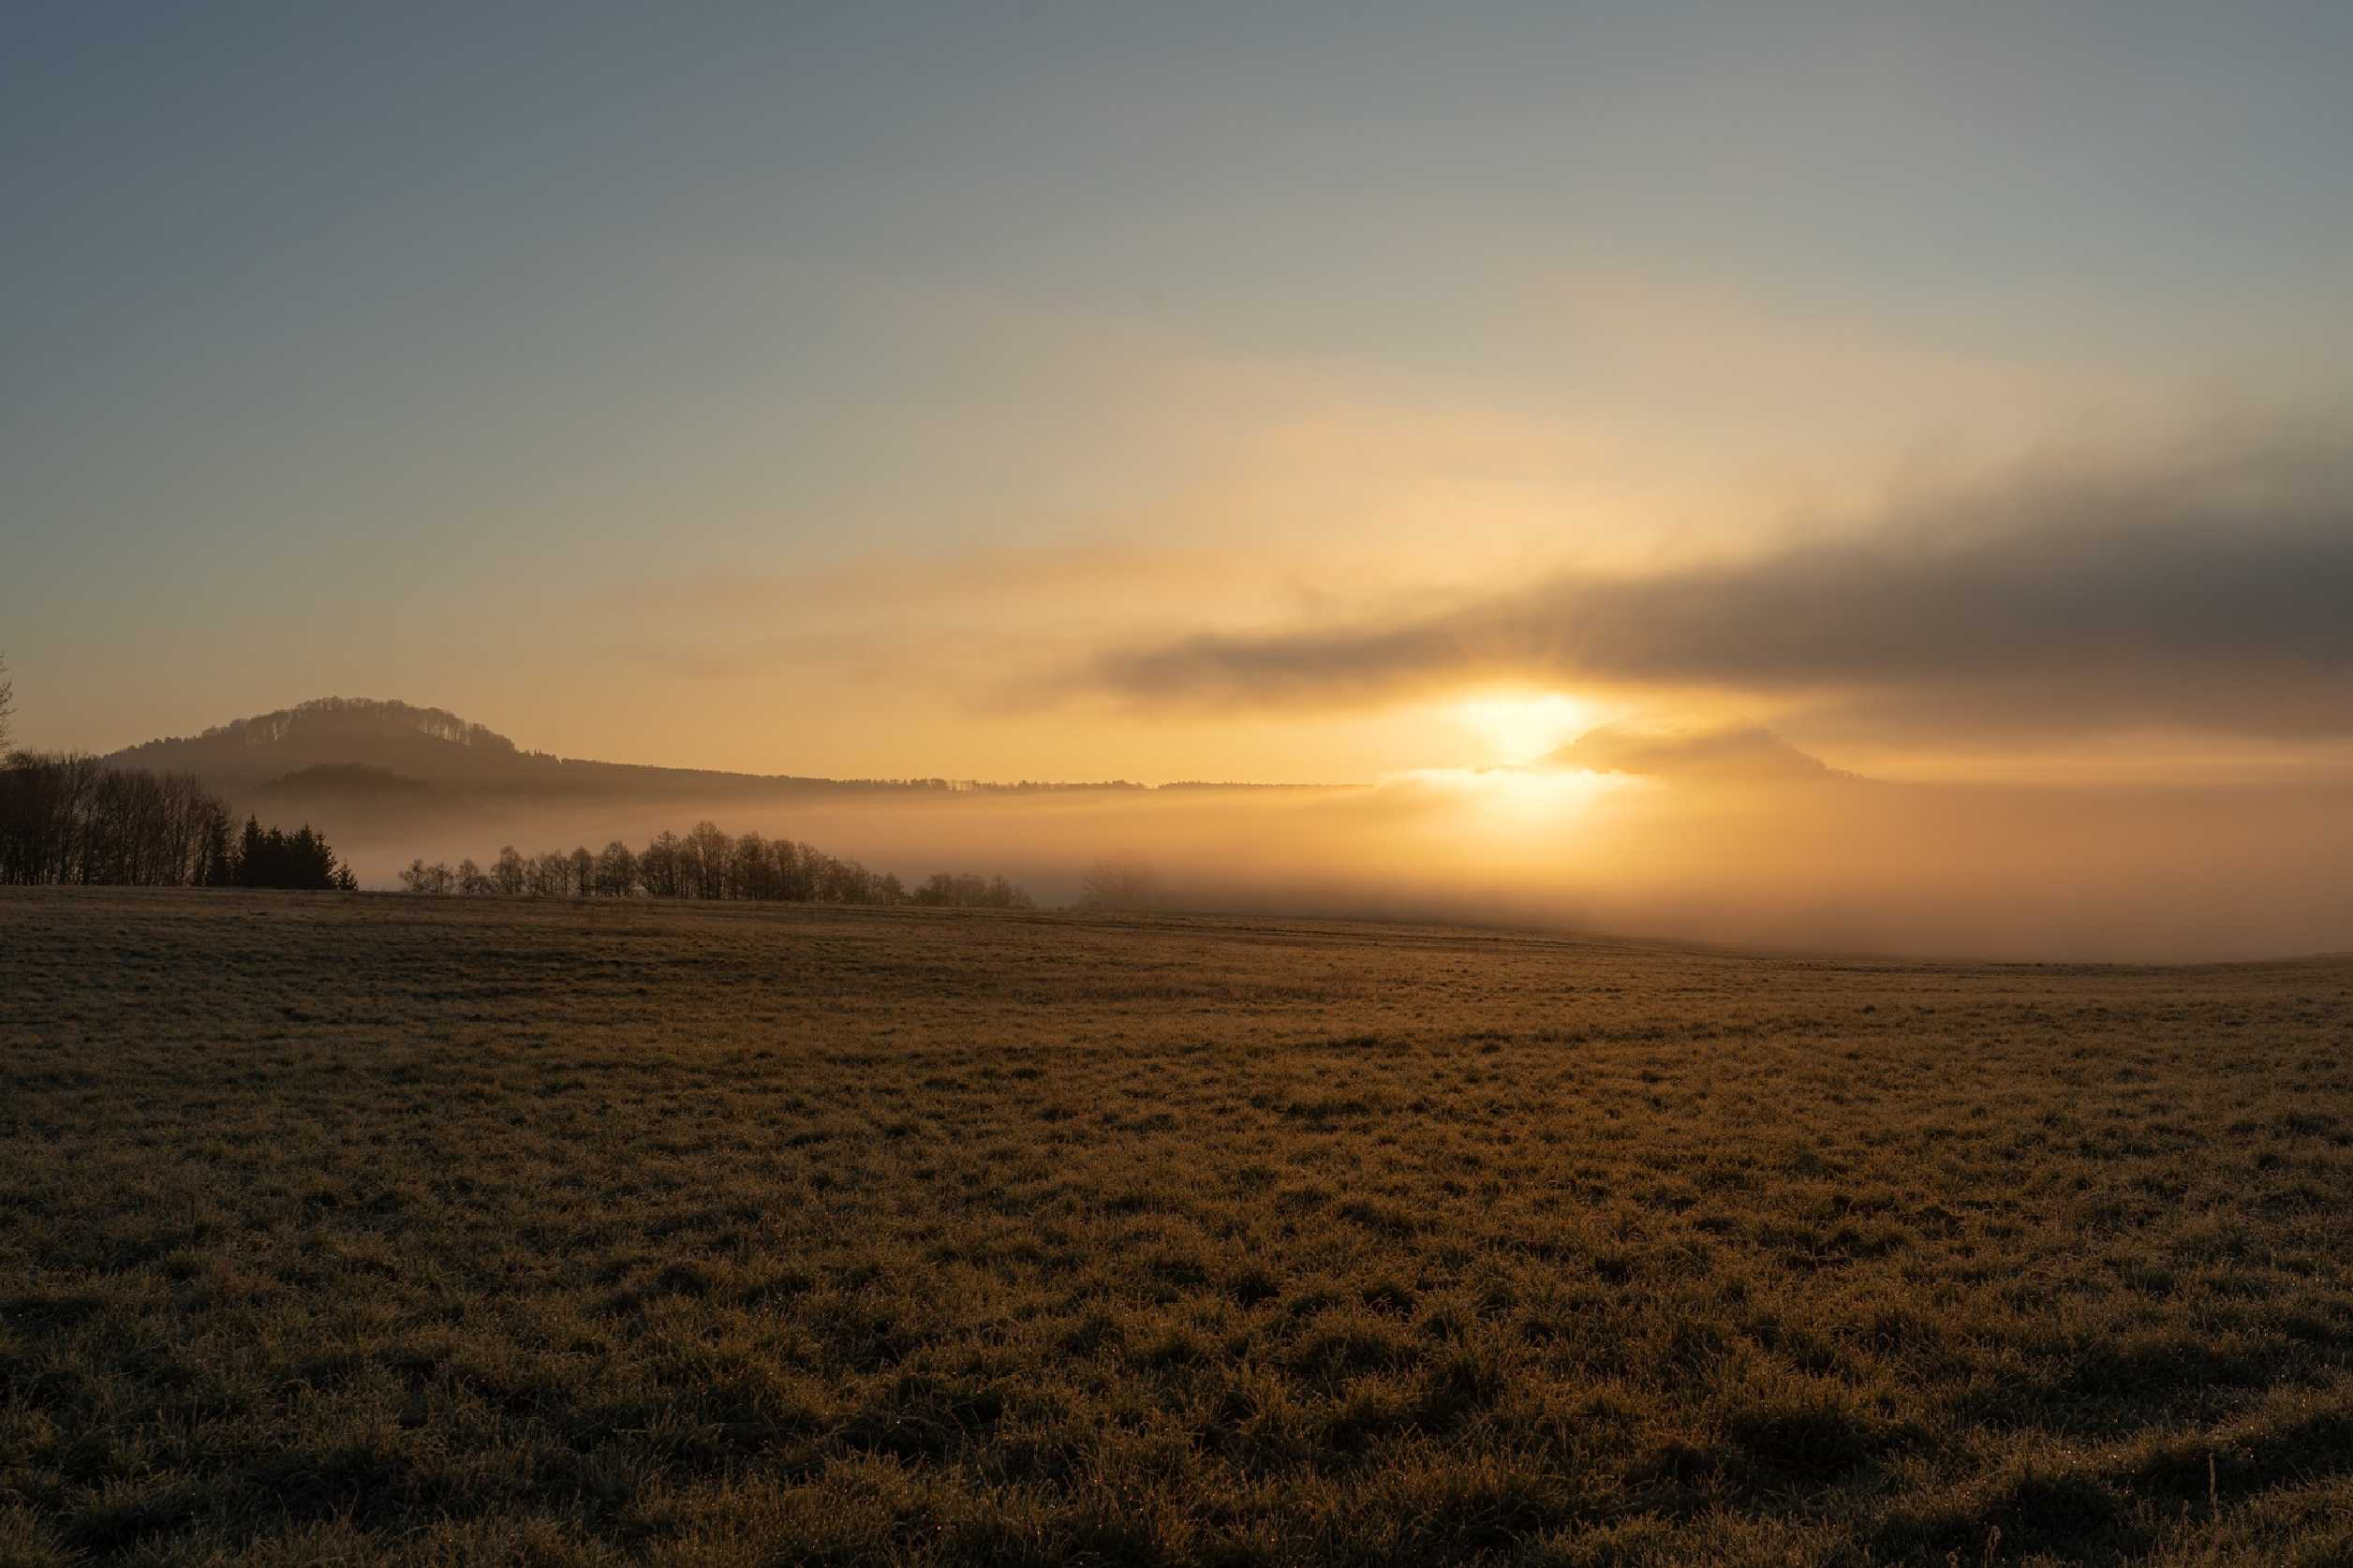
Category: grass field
<point>362,1228</point>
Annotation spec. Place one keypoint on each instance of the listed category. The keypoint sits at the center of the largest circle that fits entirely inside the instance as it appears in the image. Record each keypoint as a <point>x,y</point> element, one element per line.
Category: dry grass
<point>370,1229</point>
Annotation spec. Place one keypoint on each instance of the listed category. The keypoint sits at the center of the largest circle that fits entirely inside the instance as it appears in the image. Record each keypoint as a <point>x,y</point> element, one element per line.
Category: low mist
<point>1827,863</point>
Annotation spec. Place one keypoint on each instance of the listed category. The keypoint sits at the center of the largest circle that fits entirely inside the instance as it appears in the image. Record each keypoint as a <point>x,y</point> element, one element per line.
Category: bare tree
<point>8,703</point>
<point>1127,883</point>
<point>709,854</point>
<point>662,866</point>
<point>72,820</point>
<point>951,890</point>
<point>792,869</point>
<point>750,872</point>
<point>708,862</point>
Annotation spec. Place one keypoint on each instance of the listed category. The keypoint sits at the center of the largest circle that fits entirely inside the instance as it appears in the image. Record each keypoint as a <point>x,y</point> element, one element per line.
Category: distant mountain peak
<point>351,714</point>
<point>431,745</point>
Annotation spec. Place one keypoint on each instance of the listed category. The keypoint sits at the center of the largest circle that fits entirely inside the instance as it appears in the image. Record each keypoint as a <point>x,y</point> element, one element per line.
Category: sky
<point>1330,393</point>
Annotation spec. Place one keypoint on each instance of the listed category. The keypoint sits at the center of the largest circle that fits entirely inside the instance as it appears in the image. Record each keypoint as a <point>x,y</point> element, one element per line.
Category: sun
<point>1523,726</point>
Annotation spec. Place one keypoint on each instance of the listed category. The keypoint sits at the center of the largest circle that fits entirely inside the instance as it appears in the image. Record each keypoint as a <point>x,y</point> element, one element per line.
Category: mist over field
<point>2087,871</point>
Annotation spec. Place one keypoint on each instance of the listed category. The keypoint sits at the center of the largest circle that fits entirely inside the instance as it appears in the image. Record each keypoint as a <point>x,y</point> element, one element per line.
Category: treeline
<point>74,820</point>
<point>436,723</point>
<point>705,862</point>
<point>300,859</point>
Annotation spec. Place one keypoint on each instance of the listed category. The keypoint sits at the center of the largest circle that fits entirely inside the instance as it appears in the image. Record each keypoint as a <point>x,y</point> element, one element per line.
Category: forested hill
<point>422,745</point>
<point>347,747</point>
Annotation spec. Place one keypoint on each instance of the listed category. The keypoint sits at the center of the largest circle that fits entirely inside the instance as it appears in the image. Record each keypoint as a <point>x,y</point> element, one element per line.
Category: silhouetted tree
<point>282,860</point>
<point>708,864</point>
<point>662,868</point>
<point>790,862</point>
<point>751,871</point>
<point>70,818</point>
<point>951,891</point>
<point>8,703</point>
<point>709,854</point>
<point>616,872</point>
<point>217,857</point>
<point>1119,884</point>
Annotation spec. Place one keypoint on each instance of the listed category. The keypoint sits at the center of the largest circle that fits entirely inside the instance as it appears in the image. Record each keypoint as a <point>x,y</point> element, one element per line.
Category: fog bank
<point>1786,858</point>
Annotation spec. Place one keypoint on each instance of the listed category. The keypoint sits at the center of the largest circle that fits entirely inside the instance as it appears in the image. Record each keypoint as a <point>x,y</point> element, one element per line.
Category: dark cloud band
<point>2220,596</point>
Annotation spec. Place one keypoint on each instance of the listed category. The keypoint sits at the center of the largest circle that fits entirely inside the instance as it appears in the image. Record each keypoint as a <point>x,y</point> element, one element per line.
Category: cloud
<point>909,583</point>
<point>2213,595</point>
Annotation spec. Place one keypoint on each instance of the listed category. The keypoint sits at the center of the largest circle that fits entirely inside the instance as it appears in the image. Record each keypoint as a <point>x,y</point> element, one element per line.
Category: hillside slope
<point>322,743</point>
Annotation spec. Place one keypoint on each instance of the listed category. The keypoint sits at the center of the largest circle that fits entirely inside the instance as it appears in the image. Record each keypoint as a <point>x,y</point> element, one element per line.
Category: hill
<point>327,746</point>
<point>388,781</point>
<point>337,744</point>
<point>428,745</point>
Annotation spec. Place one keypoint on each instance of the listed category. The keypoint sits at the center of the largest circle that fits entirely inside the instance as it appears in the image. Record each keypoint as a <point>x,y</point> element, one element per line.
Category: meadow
<point>378,1229</point>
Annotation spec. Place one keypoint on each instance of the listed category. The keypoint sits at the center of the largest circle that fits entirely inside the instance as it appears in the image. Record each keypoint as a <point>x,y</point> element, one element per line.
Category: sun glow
<point>1517,798</point>
<point>1520,726</point>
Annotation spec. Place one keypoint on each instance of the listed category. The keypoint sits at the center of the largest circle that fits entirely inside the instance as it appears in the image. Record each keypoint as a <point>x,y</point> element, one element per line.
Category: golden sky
<point>1329,395</point>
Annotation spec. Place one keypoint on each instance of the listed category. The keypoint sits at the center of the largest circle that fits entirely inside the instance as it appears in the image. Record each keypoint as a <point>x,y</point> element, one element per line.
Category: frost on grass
<point>387,1230</point>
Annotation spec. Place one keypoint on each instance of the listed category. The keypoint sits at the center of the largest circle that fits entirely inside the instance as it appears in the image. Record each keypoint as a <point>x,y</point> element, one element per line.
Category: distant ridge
<point>346,748</point>
<point>361,713</point>
<point>332,741</point>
